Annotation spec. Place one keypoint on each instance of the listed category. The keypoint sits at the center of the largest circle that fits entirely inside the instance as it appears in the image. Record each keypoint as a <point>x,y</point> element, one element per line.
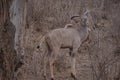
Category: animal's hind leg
<point>45,63</point>
<point>51,62</point>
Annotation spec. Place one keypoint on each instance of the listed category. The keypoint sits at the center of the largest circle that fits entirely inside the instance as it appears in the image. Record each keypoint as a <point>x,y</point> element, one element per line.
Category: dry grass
<point>50,14</point>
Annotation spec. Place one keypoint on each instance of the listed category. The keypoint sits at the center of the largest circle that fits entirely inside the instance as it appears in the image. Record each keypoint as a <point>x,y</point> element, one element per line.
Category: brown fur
<point>67,37</point>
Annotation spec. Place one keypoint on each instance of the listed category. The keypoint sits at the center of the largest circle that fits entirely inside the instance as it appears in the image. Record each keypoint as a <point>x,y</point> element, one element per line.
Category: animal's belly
<point>67,44</point>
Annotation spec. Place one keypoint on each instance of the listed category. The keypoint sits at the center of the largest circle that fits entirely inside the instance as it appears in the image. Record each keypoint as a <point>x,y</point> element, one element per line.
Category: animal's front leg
<point>73,71</point>
<point>73,61</point>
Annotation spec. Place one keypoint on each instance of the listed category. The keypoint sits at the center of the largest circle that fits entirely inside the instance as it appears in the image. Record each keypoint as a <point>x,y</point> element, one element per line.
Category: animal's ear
<point>74,17</point>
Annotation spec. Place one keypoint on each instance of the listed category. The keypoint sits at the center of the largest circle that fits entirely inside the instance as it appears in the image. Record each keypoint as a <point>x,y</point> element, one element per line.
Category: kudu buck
<point>71,36</point>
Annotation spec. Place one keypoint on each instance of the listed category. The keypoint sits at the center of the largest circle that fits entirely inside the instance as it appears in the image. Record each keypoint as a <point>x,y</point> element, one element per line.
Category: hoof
<point>52,79</point>
<point>73,76</point>
<point>44,76</point>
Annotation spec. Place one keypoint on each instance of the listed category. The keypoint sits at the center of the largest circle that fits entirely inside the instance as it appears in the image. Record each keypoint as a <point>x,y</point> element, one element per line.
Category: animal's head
<point>85,24</point>
<point>88,21</point>
<point>80,21</point>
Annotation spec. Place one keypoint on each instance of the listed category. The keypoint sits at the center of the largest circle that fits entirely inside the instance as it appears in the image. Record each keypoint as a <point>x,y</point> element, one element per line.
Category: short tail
<point>44,48</point>
<point>42,40</point>
<point>40,43</point>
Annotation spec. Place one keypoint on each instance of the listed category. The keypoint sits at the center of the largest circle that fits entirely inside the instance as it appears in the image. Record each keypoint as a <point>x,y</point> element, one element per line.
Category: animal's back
<point>62,37</point>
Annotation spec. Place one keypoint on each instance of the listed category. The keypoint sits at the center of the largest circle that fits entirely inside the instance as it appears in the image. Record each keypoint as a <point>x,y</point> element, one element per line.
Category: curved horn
<point>74,17</point>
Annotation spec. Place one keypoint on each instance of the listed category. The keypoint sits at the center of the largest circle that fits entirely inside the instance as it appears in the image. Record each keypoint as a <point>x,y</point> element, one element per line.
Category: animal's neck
<point>83,32</point>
